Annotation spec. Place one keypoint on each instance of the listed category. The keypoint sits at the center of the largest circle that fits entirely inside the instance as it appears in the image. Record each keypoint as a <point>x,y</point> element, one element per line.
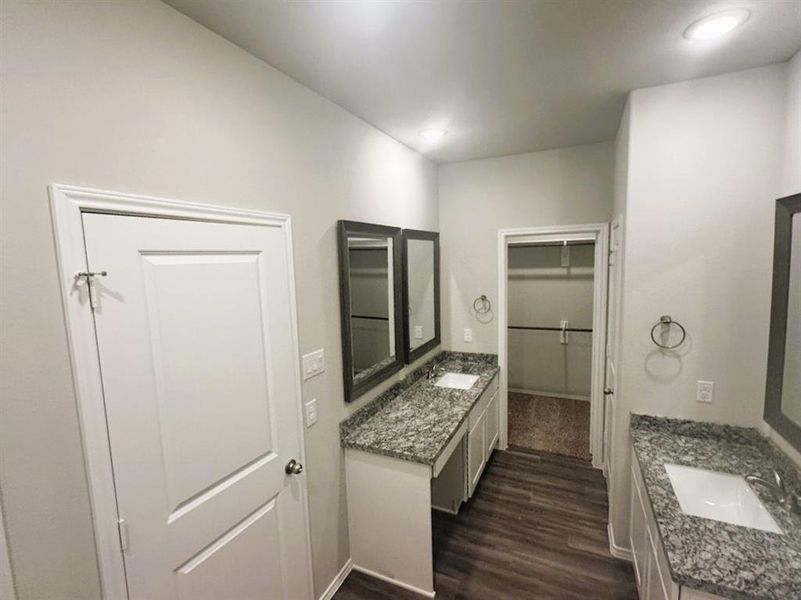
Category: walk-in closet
<point>550,308</point>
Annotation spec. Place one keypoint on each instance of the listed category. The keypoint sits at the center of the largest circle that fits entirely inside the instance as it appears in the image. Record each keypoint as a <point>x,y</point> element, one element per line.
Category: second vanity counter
<point>719,558</point>
<point>415,447</point>
<point>414,420</point>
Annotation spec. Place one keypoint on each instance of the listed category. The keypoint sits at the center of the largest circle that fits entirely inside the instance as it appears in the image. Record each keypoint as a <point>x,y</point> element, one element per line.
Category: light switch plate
<point>313,363</point>
<point>311,412</point>
<point>468,335</point>
<point>705,391</point>
<point>418,332</point>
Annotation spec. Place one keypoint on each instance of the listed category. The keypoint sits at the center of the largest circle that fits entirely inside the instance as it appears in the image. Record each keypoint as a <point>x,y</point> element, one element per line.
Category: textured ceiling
<point>502,76</point>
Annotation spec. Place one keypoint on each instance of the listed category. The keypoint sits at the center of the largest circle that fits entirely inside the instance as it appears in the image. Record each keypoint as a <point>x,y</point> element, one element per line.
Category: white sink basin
<point>459,381</point>
<point>720,497</point>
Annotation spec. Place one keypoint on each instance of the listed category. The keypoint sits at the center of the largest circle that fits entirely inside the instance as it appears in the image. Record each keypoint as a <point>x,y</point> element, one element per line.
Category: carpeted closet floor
<point>554,425</point>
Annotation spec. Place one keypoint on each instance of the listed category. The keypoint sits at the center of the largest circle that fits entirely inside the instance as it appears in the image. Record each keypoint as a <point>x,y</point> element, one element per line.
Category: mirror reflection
<point>420,271</point>
<point>371,304</point>
<point>791,384</point>
<point>421,292</point>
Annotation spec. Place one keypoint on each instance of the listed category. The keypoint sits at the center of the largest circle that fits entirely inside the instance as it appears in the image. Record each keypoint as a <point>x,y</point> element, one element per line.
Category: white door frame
<point>599,233</point>
<point>67,204</point>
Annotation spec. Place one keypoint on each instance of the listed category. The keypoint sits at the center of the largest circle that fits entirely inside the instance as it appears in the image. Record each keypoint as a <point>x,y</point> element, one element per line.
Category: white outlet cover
<point>705,391</point>
<point>418,332</point>
<point>468,335</point>
<point>311,412</point>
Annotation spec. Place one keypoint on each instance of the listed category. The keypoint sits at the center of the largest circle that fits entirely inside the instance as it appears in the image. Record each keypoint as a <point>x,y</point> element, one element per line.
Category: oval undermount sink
<point>459,381</point>
<point>719,496</point>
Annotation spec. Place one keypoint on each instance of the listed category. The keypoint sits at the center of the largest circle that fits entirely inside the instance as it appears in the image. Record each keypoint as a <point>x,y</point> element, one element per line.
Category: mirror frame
<point>414,234</point>
<point>785,209</point>
<point>354,389</point>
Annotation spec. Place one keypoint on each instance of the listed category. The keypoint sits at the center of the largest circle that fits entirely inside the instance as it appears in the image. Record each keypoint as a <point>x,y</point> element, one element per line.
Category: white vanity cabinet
<point>457,481</point>
<point>651,568</point>
<point>482,434</point>
<point>650,563</point>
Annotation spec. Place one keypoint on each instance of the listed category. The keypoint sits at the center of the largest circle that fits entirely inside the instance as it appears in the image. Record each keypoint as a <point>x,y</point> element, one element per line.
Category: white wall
<point>135,97</point>
<point>542,293</point>
<point>791,171</point>
<point>703,171</point>
<point>478,197</point>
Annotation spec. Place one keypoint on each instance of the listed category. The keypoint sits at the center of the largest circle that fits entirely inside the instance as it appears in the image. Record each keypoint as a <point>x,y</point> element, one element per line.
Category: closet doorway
<point>552,332</point>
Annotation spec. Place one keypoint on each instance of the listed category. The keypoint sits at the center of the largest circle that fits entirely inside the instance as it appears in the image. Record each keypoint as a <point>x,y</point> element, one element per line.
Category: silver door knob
<point>608,391</point>
<point>293,467</point>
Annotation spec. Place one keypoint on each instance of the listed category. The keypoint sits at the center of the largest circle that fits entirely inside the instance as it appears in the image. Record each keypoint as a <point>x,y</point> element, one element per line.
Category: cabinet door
<point>653,582</point>
<point>475,451</point>
<point>492,425</point>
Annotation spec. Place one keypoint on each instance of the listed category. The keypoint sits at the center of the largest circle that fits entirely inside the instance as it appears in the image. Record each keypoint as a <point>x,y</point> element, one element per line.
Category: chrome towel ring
<point>482,305</point>
<point>667,321</point>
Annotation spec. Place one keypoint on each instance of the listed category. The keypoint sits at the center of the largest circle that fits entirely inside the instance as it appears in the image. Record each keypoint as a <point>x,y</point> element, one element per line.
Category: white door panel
<point>193,325</point>
<point>236,565</point>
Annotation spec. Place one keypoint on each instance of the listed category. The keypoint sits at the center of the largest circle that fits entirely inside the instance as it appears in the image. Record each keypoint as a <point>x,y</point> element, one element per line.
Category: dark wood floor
<point>535,528</point>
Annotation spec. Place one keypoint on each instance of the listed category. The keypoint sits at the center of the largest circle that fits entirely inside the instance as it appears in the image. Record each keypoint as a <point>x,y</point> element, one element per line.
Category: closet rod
<point>572,329</point>
<point>548,244</point>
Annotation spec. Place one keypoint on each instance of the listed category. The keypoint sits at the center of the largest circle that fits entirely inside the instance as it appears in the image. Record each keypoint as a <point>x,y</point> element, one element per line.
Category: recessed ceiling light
<point>717,25</point>
<point>432,134</point>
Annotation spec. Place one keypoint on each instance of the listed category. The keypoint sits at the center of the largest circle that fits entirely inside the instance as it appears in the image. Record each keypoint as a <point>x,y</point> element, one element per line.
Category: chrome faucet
<point>432,371</point>
<point>779,492</point>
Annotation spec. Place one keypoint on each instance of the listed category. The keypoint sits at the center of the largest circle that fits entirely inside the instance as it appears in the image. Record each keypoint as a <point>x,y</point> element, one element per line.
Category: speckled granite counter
<point>720,558</point>
<point>414,420</point>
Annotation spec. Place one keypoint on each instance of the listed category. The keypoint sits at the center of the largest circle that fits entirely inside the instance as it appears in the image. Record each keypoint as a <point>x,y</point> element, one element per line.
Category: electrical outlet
<point>313,363</point>
<point>311,412</point>
<point>418,332</point>
<point>705,392</point>
<point>468,335</point>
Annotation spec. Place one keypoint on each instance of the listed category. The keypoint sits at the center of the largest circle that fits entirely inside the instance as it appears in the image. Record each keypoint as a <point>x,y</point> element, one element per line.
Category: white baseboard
<point>338,581</point>
<point>615,550</point>
<point>549,394</point>
<point>405,586</point>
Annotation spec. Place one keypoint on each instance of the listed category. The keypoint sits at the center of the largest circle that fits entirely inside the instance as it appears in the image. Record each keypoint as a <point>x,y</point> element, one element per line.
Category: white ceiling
<point>502,76</point>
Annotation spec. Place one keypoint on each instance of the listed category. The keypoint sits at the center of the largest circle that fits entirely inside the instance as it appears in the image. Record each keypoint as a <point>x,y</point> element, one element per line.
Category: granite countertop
<point>729,560</point>
<point>414,420</point>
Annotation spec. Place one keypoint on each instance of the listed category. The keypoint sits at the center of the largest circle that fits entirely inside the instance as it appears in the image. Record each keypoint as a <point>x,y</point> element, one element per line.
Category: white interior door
<point>194,330</point>
<point>610,380</point>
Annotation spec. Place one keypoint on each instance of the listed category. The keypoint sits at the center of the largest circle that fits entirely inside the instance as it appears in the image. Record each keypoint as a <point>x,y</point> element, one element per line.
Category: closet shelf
<point>570,329</point>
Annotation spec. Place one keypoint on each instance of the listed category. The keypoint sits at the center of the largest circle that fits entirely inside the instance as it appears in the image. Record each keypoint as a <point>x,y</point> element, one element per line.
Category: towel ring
<point>482,305</point>
<point>666,320</point>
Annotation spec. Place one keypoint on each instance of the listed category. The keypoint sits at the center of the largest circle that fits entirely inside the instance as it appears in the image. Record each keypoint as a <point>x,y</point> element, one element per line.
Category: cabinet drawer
<point>481,404</point>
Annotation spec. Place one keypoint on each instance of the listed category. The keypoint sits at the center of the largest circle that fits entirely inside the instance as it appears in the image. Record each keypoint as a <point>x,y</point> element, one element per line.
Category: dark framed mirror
<point>421,329</point>
<point>783,391</point>
<point>370,304</point>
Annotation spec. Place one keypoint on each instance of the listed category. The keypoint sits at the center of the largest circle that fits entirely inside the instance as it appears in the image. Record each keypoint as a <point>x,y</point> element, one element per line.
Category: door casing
<point>599,233</point>
<point>67,203</point>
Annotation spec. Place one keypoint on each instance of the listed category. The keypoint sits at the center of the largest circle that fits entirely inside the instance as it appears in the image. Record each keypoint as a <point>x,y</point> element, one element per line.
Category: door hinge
<point>88,277</point>
<point>122,526</point>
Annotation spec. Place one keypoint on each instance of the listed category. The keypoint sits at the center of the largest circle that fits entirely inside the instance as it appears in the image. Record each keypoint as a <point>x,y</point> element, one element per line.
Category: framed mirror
<point>421,331</point>
<point>783,392</point>
<point>370,304</point>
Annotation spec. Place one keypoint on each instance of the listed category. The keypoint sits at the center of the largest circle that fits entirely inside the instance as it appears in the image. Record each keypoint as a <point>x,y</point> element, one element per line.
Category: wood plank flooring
<point>535,528</point>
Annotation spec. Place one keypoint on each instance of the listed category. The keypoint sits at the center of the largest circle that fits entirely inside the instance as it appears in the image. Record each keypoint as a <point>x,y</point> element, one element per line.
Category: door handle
<point>608,391</point>
<point>293,467</point>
